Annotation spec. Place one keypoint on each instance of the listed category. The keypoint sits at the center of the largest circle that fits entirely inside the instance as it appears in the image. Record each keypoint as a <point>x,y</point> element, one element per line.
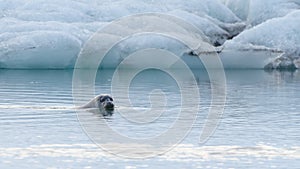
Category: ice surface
<point>276,34</point>
<point>256,11</point>
<point>216,34</point>
<point>239,7</point>
<point>47,49</point>
<point>50,34</point>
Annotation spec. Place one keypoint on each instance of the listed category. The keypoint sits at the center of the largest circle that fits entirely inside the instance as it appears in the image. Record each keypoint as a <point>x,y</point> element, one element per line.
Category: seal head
<point>106,102</point>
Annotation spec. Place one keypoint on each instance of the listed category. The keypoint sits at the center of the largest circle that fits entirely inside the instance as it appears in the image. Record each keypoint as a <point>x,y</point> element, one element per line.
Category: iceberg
<point>256,12</point>
<point>277,34</point>
<point>246,33</point>
<point>39,50</point>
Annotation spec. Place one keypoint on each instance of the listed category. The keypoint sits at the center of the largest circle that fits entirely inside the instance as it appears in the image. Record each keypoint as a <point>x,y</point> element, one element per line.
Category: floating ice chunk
<point>257,11</point>
<point>248,58</point>
<point>261,11</point>
<point>279,33</point>
<point>15,26</point>
<point>44,49</point>
<point>232,28</point>
<point>217,13</point>
<point>216,34</point>
<point>56,10</point>
<point>50,34</point>
<point>212,8</point>
<point>239,7</point>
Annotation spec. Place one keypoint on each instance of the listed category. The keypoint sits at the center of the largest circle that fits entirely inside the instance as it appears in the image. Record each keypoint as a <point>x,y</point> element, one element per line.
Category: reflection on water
<point>40,129</point>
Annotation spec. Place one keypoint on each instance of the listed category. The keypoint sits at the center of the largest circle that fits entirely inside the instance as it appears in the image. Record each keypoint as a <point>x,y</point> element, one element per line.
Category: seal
<point>103,102</point>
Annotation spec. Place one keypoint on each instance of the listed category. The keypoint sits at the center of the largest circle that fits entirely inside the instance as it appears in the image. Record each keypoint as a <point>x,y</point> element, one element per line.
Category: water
<point>40,128</point>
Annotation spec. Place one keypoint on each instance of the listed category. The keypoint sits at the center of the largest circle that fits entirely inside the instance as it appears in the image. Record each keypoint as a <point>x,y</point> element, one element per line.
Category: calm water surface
<point>259,127</point>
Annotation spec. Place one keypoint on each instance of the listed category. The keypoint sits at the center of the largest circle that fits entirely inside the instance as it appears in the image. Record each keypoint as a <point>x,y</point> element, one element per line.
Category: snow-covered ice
<point>280,33</point>
<point>247,33</point>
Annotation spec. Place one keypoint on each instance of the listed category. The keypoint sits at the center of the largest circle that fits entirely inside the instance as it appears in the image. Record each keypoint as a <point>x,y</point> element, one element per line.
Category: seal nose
<point>109,105</point>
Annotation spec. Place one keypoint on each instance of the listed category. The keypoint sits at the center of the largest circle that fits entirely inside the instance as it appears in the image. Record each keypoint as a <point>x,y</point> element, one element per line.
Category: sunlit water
<point>259,127</point>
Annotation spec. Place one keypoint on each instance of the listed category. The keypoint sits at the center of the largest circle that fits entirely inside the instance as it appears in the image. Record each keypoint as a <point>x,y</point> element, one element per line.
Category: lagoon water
<point>259,127</point>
